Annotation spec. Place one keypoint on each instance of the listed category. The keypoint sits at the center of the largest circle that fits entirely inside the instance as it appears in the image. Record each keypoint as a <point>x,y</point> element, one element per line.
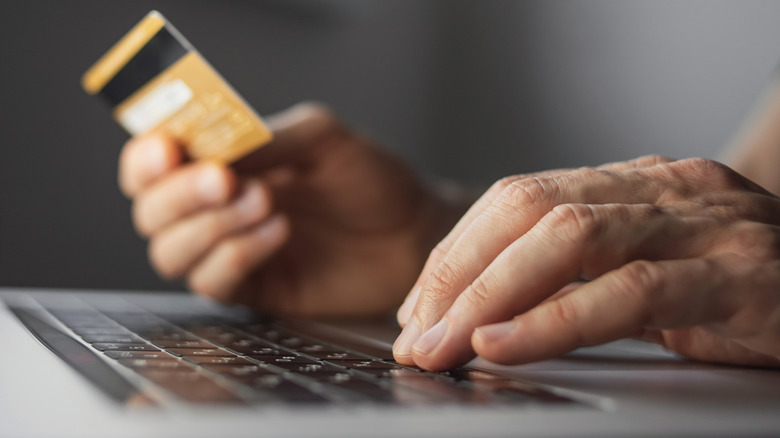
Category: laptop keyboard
<point>216,360</point>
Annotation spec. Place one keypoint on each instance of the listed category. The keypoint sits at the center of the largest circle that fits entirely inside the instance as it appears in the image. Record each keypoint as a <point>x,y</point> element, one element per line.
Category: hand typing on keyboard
<point>683,253</point>
<point>320,221</point>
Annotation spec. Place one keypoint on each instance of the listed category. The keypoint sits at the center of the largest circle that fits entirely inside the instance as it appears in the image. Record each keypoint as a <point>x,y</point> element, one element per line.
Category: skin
<point>684,253</point>
<point>319,222</point>
<point>322,222</point>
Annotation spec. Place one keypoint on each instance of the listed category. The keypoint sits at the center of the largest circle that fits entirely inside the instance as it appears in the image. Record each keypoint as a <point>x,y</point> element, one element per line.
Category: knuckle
<point>654,159</point>
<point>756,241</point>
<point>519,195</point>
<point>649,161</point>
<point>319,113</point>
<point>526,191</point>
<point>442,282</point>
<point>714,172</point>
<point>502,184</point>
<point>587,174</point>
<point>478,293</point>
<point>641,281</point>
<point>316,109</point>
<point>439,252</point>
<point>643,273</point>
<point>575,221</point>
<point>564,313</point>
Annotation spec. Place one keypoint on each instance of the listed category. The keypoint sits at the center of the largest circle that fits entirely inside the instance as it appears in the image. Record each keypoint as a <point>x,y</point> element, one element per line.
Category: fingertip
<point>216,183</point>
<point>198,286</point>
<point>253,204</point>
<point>143,226</point>
<point>144,159</point>
<point>276,230</point>
<point>402,347</point>
<point>444,346</point>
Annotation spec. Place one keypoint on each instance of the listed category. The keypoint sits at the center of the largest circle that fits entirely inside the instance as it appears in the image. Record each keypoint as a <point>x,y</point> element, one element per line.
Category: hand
<point>318,222</point>
<point>683,253</point>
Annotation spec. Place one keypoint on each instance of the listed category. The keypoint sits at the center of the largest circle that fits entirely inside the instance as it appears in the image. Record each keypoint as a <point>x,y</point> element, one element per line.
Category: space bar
<point>78,356</point>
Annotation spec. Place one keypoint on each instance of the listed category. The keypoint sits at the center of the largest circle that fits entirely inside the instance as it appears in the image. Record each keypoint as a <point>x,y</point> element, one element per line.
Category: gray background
<point>467,90</point>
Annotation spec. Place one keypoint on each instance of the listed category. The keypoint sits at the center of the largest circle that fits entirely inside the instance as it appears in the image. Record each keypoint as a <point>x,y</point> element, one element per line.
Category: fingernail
<point>407,338</point>
<point>155,155</point>
<point>250,204</point>
<point>211,183</point>
<point>495,332</point>
<point>405,311</point>
<point>271,228</point>
<point>430,339</point>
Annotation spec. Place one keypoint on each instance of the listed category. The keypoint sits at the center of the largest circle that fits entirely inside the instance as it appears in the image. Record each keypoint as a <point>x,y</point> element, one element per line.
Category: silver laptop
<point>113,364</point>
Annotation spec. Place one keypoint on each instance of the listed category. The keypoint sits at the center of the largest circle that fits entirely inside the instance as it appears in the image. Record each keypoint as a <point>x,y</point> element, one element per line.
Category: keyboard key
<point>361,364</point>
<point>247,343</point>
<point>275,360</point>
<point>219,360</point>
<point>390,373</point>
<point>257,350</point>
<point>124,347</point>
<point>329,376</point>
<point>168,335</point>
<point>318,348</point>
<point>343,355</point>
<point>182,343</point>
<point>306,368</point>
<point>138,355</point>
<point>464,374</point>
<point>167,363</point>
<point>199,352</point>
<point>238,371</point>
<point>264,331</point>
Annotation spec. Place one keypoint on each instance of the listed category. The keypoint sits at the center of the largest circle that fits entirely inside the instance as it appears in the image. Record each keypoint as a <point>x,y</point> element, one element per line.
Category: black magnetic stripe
<point>158,54</point>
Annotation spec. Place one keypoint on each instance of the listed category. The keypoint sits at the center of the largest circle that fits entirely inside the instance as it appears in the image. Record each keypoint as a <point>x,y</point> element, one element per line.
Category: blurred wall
<point>468,90</point>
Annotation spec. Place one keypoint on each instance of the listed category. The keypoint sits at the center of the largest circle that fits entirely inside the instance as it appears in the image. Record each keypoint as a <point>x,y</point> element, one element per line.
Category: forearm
<point>755,152</point>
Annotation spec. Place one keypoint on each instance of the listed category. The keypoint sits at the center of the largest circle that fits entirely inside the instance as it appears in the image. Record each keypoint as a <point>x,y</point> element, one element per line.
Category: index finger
<point>145,159</point>
<point>483,203</point>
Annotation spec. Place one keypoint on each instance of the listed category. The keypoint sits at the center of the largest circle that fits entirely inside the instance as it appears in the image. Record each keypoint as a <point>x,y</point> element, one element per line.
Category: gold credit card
<point>157,82</point>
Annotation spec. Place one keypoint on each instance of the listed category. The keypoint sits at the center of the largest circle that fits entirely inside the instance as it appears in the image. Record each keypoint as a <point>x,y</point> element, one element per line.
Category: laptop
<point>132,364</point>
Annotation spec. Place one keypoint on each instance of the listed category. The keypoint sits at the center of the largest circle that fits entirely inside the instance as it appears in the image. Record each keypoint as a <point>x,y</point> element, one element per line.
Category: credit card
<point>155,81</point>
